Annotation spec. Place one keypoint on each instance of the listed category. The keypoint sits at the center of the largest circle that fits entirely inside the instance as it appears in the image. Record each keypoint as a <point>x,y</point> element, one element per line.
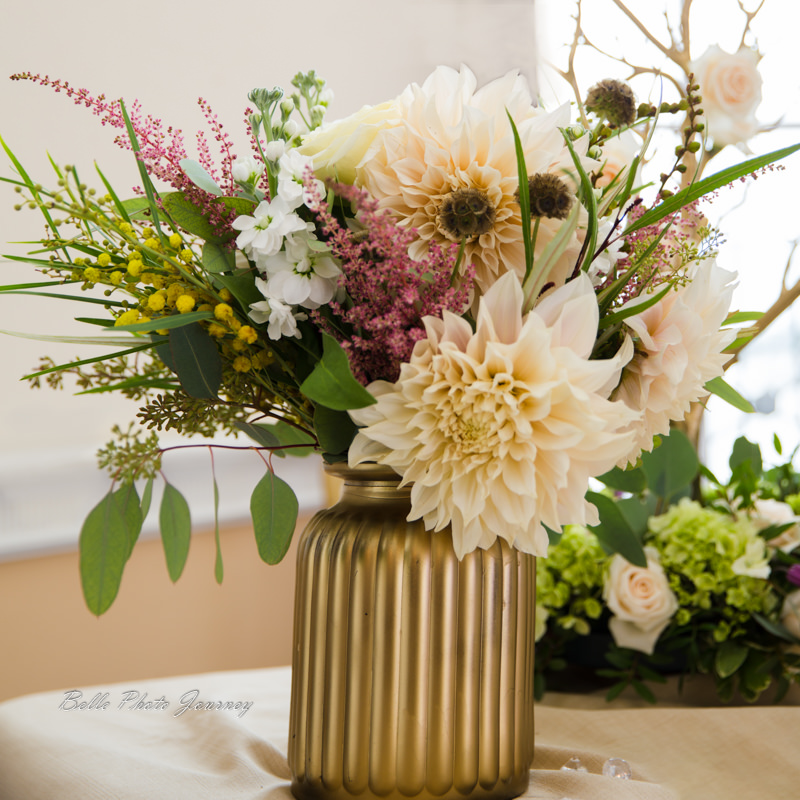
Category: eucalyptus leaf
<point>193,219</point>
<point>624,480</point>
<point>218,568</point>
<point>331,382</point>
<point>292,436</point>
<point>199,177</point>
<point>196,361</point>
<point>261,434</point>
<point>218,258</point>
<point>242,287</point>
<point>746,452</point>
<point>274,508</point>
<point>176,530</point>
<point>104,546</point>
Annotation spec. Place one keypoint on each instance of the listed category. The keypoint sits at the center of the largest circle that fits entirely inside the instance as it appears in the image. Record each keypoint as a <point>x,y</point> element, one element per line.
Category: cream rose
<point>774,512</point>
<point>730,85</point>
<point>790,614</point>
<point>338,148</point>
<point>641,601</point>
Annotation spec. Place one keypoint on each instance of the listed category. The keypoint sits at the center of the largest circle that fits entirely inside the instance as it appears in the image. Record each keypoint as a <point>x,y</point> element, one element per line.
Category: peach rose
<point>730,85</point>
<point>641,601</point>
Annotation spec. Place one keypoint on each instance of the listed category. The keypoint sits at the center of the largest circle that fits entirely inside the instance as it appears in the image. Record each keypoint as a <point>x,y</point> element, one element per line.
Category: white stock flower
<point>640,600</point>
<point>262,234</point>
<point>499,430</point>
<point>678,350</point>
<point>292,168</point>
<point>300,274</point>
<point>730,85</point>
<point>275,149</point>
<point>247,170</point>
<point>282,319</point>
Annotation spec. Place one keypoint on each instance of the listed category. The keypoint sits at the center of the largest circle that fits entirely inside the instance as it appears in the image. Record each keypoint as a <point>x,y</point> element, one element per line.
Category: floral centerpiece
<point>719,595</point>
<point>452,284</point>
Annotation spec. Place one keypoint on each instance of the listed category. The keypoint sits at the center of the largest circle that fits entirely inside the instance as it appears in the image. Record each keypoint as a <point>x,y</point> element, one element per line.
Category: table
<point>222,736</point>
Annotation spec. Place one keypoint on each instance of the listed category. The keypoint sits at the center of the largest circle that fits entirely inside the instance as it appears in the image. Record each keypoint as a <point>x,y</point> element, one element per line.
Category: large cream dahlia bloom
<point>499,430</point>
<point>447,144</point>
<point>678,350</point>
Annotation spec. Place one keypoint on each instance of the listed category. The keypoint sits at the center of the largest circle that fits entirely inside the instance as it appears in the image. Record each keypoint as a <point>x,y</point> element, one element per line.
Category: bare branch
<point>787,296</point>
<point>750,15</point>
<point>669,52</point>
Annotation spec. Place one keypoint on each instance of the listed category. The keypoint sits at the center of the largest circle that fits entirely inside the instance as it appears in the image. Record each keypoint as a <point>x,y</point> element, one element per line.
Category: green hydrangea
<point>699,547</point>
<point>569,582</point>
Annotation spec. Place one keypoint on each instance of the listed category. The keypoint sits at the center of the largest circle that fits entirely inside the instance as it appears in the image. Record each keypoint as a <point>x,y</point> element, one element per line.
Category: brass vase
<point>412,672</point>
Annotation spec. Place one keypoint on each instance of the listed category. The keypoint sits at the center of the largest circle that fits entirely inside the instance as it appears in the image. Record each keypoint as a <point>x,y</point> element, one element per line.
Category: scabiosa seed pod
<point>614,101</point>
<point>549,196</point>
<point>466,213</point>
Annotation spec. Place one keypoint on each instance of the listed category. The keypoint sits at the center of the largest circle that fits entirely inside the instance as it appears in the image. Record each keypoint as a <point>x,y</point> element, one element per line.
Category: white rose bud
<point>730,86</point>
<point>641,601</point>
<point>291,128</point>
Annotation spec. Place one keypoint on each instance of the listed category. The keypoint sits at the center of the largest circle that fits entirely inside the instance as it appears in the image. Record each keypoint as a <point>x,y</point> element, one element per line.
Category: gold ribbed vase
<point>412,671</point>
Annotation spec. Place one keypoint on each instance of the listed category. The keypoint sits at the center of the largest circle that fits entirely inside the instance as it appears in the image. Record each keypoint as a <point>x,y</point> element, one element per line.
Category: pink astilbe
<point>160,149</point>
<point>388,292</point>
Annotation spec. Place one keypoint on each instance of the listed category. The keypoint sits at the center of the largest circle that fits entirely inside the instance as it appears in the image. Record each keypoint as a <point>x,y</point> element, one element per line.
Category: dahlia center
<point>466,213</point>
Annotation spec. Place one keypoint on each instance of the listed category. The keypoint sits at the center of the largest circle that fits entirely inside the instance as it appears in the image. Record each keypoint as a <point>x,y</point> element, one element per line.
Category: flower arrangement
<point>450,283</point>
<point>719,594</point>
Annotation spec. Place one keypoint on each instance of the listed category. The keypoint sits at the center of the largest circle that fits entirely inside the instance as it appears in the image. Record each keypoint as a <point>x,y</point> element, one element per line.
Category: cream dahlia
<point>678,349</point>
<point>442,158</point>
<point>499,430</point>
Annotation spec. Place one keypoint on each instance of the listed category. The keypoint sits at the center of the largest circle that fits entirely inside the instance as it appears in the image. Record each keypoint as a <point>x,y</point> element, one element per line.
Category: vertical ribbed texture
<point>412,670</point>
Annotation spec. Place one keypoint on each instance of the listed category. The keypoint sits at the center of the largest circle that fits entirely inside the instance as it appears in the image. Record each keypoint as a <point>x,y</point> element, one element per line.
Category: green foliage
<point>274,508</point>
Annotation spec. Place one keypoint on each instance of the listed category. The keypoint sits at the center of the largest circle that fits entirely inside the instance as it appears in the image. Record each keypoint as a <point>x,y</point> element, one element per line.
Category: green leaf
<point>633,309</point>
<point>742,316</point>
<point>524,197</point>
<point>615,691</point>
<point>85,361</point>
<point>335,429</point>
<point>273,507</point>
<point>672,466</point>
<point>196,360</point>
<point>105,542</point>
<point>624,480</point>
<point>176,530</point>
<point>637,511</point>
<point>644,692</point>
<point>729,657</point>
<point>614,532</point>
<point>706,185</point>
<point>217,258</point>
<point>199,177</point>
<point>241,205</point>
<point>746,452</point>
<point>331,382</point>
<point>727,393</point>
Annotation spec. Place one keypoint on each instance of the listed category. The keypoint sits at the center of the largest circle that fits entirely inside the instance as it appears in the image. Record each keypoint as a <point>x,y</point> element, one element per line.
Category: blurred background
<point>167,55</point>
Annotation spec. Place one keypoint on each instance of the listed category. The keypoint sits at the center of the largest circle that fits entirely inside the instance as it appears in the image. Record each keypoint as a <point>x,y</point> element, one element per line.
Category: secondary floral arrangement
<point>720,594</point>
<point>452,283</point>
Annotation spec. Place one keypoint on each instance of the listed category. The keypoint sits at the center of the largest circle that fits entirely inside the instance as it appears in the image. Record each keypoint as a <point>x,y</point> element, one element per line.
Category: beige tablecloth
<point>150,741</point>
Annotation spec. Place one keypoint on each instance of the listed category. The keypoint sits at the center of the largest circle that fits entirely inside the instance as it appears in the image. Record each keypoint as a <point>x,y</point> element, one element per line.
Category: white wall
<point>167,54</point>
